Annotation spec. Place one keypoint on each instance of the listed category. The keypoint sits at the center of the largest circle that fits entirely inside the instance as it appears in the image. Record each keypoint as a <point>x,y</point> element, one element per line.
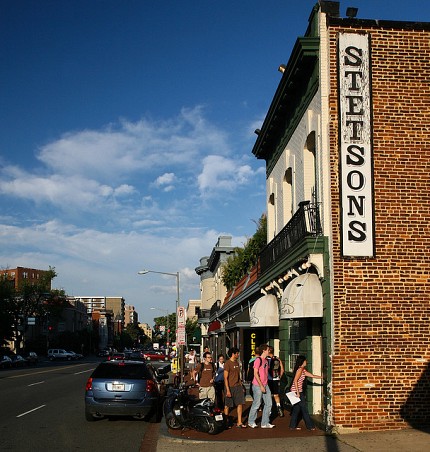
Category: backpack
<point>275,367</point>
<point>250,371</point>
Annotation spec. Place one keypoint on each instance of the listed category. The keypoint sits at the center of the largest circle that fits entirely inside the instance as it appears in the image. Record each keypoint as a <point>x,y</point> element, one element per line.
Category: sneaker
<point>267,426</point>
<point>254,425</point>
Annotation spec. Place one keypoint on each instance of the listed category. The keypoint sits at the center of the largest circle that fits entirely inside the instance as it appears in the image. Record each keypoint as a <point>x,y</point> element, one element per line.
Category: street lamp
<point>176,275</point>
<point>167,326</point>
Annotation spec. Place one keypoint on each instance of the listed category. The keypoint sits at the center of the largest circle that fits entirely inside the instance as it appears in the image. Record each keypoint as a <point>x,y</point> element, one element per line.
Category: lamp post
<point>176,275</point>
<point>167,327</point>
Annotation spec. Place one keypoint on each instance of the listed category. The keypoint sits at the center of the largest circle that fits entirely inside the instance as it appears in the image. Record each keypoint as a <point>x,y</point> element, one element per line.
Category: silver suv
<point>59,353</point>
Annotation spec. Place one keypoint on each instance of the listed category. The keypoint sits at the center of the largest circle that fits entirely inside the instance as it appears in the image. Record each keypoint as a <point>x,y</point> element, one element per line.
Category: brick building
<point>345,141</point>
<point>20,275</point>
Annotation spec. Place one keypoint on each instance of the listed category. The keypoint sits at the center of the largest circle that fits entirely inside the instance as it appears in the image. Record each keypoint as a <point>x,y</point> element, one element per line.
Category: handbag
<point>292,397</point>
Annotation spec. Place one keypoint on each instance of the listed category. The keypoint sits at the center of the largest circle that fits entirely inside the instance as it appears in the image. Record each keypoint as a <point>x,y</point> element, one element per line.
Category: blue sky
<point>126,130</point>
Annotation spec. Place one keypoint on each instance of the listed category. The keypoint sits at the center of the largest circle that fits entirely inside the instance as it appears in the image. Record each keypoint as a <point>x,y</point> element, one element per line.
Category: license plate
<point>218,417</point>
<point>118,387</point>
<point>177,412</point>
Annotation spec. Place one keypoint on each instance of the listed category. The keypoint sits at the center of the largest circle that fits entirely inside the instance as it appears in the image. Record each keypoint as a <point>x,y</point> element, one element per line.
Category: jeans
<point>267,399</point>
<point>303,408</point>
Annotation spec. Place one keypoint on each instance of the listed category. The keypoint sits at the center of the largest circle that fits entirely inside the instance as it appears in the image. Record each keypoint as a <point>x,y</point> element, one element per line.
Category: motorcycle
<point>184,411</point>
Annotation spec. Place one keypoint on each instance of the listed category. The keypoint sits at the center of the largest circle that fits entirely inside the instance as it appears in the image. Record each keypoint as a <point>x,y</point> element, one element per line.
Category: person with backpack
<point>261,390</point>
<point>250,371</point>
<point>219,382</point>
<point>206,377</point>
<point>276,370</point>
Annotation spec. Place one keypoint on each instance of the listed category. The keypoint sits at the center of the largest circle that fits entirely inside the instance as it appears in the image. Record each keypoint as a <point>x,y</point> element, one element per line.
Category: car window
<point>129,371</point>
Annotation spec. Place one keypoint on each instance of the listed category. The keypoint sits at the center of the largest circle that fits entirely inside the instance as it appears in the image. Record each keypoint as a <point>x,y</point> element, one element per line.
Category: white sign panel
<point>181,336</point>
<point>356,154</point>
<point>181,316</point>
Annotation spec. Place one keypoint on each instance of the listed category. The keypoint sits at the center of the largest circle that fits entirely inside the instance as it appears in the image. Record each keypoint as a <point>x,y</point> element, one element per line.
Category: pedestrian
<point>219,381</point>
<point>261,390</point>
<point>250,371</point>
<point>234,395</point>
<point>276,370</point>
<point>298,386</point>
<point>191,359</point>
<point>206,377</point>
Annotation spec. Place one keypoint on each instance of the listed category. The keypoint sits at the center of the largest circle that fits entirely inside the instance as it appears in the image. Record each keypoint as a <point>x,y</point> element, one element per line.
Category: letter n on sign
<point>356,147</point>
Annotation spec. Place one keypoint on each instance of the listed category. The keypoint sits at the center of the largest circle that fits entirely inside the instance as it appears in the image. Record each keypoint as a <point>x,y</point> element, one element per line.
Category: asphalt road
<point>42,409</point>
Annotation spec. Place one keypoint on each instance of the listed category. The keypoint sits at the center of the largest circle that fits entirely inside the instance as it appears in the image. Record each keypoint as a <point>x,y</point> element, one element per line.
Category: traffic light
<point>50,328</point>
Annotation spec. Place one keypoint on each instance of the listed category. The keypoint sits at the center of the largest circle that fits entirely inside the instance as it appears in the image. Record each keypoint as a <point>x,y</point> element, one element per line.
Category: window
<point>294,341</point>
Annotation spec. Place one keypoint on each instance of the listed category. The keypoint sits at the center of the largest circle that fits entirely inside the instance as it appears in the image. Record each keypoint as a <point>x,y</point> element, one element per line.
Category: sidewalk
<point>281,439</point>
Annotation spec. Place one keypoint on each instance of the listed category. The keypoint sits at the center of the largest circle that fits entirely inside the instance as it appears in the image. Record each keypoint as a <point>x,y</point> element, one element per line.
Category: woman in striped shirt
<point>298,387</point>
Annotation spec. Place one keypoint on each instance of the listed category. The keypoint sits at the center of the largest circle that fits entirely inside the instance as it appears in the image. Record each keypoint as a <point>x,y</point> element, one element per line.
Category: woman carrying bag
<point>298,387</point>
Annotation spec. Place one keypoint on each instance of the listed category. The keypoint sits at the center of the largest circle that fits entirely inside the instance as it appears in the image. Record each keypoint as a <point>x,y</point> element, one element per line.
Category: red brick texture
<point>381,356</point>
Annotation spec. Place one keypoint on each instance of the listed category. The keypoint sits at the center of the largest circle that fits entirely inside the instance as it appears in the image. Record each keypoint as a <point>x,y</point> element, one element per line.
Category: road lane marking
<point>38,383</point>
<point>51,370</point>
<point>83,371</point>
<point>28,412</point>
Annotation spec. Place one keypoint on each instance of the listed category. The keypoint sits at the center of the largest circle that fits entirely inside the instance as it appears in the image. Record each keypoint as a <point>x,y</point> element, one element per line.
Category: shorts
<point>237,397</point>
<point>207,393</point>
<point>274,386</point>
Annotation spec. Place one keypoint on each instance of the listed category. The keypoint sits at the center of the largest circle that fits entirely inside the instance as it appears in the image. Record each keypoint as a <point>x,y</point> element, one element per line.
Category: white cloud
<point>222,174</point>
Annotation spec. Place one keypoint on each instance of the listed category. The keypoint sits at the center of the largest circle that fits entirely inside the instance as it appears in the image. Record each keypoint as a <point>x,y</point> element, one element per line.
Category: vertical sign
<point>355,138</point>
<point>181,316</point>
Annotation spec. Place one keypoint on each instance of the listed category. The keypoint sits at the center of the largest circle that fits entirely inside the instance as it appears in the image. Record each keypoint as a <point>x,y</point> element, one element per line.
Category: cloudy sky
<point>126,131</point>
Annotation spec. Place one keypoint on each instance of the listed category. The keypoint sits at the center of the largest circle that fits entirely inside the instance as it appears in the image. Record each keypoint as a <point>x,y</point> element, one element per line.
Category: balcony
<point>304,223</point>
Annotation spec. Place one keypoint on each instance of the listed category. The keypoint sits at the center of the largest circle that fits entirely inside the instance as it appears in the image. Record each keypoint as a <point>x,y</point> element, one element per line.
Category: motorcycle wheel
<point>213,428</point>
<point>172,422</point>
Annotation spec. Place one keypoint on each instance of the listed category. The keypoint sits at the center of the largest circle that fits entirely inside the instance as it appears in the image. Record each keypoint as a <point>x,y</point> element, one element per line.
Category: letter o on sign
<point>355,180</point>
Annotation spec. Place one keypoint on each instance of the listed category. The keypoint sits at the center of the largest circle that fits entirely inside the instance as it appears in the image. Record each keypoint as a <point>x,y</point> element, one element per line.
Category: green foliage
<point>28,300</point>
<point>244,259</point>
<point>190,328</point>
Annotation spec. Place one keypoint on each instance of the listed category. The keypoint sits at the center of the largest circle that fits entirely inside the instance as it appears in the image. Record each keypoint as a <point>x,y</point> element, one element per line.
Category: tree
<point>244,259</point>
<point>28,300</point>
<point>169,322</point>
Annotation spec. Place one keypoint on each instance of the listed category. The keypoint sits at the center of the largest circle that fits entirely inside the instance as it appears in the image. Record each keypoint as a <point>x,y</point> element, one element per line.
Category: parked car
<point>5,362</point>
<point>116,356</point>
<point>155,355</point>
<point>123,388</point>
<point>18,361</point>
<point>76,355</point>
<point>59,353</point>
<point>104,352</point>
<point>32,358</point>
<point>163,373</point>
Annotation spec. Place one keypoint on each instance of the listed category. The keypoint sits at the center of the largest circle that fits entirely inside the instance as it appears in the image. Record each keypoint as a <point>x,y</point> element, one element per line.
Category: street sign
<point>181,336</point>
<point>181,316</point>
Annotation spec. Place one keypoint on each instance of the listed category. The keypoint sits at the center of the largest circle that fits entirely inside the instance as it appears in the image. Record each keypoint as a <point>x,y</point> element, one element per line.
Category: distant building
<point>147,330</point>
<point>130,315</point>
<point>20,275</point>
<point>117,306</point>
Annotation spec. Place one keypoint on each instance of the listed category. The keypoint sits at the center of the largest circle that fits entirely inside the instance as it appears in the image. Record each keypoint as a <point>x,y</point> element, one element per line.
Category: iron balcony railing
<point>305,222</point>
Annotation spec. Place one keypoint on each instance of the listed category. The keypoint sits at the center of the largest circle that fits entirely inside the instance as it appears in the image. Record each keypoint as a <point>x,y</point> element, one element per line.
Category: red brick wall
<point>380,362</point>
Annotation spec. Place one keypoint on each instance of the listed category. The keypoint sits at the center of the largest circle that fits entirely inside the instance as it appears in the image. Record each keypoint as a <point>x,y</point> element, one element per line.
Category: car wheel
<point>155,415</point>
<point>89,417</point>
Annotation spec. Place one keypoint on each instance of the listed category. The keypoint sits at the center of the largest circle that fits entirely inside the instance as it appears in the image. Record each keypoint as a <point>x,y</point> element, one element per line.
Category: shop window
<point>294,343</point>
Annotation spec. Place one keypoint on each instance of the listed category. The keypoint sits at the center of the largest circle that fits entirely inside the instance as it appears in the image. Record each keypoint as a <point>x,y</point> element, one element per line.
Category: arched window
<point>287,190</point>
<point>309,169</point>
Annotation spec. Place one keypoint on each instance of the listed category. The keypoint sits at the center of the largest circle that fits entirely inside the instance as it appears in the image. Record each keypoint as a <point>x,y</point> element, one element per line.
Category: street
<point>42,408</point>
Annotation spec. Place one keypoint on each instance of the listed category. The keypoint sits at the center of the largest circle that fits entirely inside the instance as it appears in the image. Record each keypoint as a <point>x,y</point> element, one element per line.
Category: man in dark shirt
<point>234,394</point>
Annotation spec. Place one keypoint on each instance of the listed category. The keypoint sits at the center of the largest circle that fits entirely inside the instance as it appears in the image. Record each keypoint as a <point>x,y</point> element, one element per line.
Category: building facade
<point>344,143</point>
